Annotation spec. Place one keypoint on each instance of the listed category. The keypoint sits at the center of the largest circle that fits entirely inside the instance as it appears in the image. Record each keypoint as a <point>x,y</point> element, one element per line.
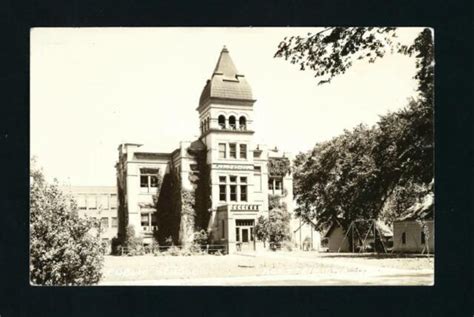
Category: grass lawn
<point>149,267</point>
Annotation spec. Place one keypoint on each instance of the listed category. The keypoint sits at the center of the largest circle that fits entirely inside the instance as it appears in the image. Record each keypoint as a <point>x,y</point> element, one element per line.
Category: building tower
<point>226,116</point>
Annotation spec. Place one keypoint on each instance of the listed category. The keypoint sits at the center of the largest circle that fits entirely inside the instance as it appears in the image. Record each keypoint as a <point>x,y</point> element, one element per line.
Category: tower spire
<point>225,66</point>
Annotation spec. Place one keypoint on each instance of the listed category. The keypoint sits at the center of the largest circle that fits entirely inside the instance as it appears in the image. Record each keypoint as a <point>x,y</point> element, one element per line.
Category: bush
<point>173,250</point>
<point>200,237</point>
<point>63,248</point>
<point>287,245</point>
<point>115,243</point>
<point>133,244</point>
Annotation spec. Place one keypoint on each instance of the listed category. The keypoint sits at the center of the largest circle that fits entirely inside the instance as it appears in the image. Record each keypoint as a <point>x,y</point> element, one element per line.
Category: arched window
<point>221,121</point>
<point>232,123</point>
<point>242,123</point>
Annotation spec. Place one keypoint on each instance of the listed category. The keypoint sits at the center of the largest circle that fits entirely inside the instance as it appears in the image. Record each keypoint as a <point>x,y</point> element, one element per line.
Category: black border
<point>452,294</point>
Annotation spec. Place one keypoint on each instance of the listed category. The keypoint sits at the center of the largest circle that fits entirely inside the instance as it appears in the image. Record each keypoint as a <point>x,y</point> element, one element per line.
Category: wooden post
<point>352,241</point>
<point>375,235</point>
<point>301,245</point>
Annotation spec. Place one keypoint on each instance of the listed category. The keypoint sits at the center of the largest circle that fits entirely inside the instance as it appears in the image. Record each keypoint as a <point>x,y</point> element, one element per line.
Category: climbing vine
<point>279,167</point>
<point>199,177</point>
<point>182,212</point>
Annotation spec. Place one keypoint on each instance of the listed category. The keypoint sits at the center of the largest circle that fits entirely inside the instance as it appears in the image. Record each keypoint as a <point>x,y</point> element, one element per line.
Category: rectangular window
<point>233,179</point>
<point>148,178</point>
<point>404,238</point>
<point>154,219</point>
<point>153,181</point>
<point>423,237</point>
<point>144,181</point>
<point>81,202</point>
<point>243,192</point>
<point>222,193</point>
<point>104,222</point>
<point>114,222</point>
<point>270,184</point>
<point>222,179</point>
<point>92,202</point>
<point>113,201</point>
<point>144,220</point>
<point>243,180</point>
<point>243,151</point>
<point>233,192</point>
<point>258,182</point>
<point>237,234</point>
<point>278,184</point>
<point>222,150</point>
<point>244,222</point>
<point>233,150</point>
<point>104,201</point>
<point>223,229</point>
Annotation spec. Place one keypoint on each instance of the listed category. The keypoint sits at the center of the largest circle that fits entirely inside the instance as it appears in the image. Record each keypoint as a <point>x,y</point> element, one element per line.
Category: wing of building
<point>98,202</point>
<point>219,183</point>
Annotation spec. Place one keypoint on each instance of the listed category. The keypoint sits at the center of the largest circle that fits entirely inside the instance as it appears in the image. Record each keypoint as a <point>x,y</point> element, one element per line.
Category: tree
<point>278,225</point>
<point>336,180</point>
<point>63,250</point>
<point>275,228</point>
<point>261,229</point>
<point>333,50</point>
<point>349,176</point>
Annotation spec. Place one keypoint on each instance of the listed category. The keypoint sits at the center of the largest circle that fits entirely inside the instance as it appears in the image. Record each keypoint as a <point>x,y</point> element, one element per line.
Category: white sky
<point>93,88</point>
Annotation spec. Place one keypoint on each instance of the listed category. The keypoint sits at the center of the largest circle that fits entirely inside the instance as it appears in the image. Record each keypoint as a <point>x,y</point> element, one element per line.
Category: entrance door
<point>244,234</point>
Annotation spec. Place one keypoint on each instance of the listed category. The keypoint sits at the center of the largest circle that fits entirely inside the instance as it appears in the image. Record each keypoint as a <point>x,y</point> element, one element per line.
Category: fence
<point>206,248</point>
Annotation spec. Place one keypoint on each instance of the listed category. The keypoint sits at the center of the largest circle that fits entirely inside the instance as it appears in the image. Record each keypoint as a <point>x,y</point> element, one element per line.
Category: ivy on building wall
<point>168,205</point>
<point>122,212</point>
<point>187,217</point>
<point>200,178</point>
<point>278,167</point>
<point>274,201</point>
<point>182,212</point>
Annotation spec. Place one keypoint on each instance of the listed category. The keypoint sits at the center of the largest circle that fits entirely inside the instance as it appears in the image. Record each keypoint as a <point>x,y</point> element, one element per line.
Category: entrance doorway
<point>244,234</point>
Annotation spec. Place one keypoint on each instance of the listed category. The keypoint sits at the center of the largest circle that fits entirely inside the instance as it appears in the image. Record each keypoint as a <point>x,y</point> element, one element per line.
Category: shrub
<point>173,250</point>
<point>287,245</point>
<point>133,244</point>
<point>63,248</point>
<point>200,237</point>
<point>115,243</point>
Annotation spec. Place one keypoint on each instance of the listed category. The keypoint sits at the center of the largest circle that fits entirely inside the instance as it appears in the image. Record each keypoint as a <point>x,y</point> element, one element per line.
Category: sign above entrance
<point>242,207</point>
<point>240,167</point>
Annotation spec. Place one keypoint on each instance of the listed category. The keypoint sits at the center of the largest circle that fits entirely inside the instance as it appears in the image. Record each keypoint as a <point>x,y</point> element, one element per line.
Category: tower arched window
<point>232,123</point>
<point>242,123</point>
<point>221,120</point>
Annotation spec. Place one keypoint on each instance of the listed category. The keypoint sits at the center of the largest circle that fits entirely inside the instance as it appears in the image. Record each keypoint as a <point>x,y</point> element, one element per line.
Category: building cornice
<point>223,131</point>
<point>226,101</point>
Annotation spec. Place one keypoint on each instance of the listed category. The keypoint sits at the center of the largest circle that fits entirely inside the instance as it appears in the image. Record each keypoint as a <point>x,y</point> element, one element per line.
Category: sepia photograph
<point>232,156</point>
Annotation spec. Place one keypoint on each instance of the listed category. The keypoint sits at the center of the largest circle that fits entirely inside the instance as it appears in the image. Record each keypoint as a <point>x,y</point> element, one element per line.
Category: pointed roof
<point>225,66</point>
<point>226,82</point>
